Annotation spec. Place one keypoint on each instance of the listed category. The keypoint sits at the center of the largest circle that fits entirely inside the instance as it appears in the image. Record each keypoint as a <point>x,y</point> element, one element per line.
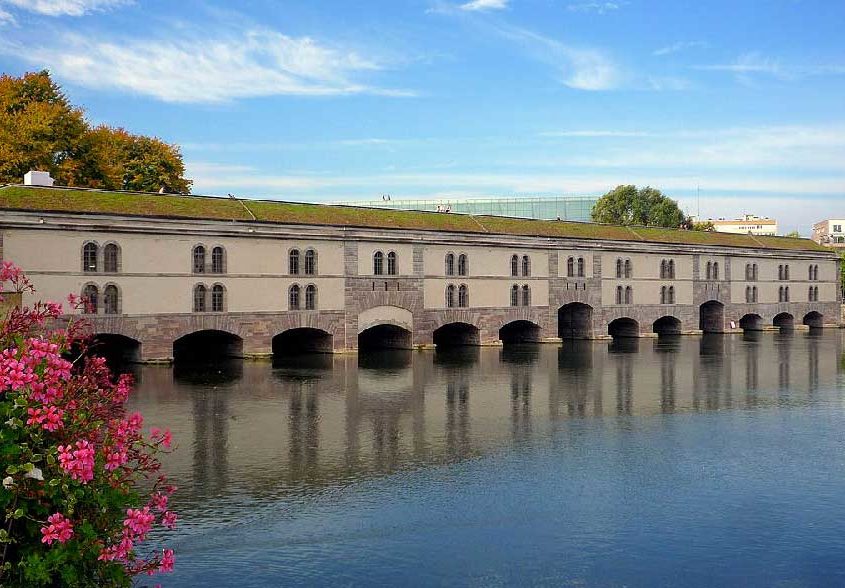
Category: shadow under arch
<point>711,317</point>
<point>623,328</point>
<point>784,321</point>
<point>115,348</point>
<point>384,336</point>
<point>300,341</point>
<point>207,346</point>
<point>667,325</point>
<point>520,331</point>
<point>813,319</point>
<point>456,335</point>
<point>575,321</point>
<point>751,322</point>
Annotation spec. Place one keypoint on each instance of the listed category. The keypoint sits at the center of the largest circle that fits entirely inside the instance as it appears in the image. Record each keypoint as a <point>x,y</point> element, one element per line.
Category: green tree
<point>627,205</point>
<point>793,234</point>
<point>703,226</point>
<point>40,129</point>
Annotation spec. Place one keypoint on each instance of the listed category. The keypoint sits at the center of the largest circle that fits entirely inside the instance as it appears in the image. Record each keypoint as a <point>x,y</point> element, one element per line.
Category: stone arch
<point>520,331</point>
<point>115,347</point>
<point>667,325</point>
<point>751,322</point>
<point>784,321</point>
<point>386,315</point>
<point>207,345</point>
<point>575,321</point>
<point>813,319</point>
<point>711,317</point>
<point>301,340</point>
<point>456,334</point>
<point>623,327</point>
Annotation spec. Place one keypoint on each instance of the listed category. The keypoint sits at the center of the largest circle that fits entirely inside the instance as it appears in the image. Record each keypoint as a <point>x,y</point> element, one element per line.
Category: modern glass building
<point>572,208</point>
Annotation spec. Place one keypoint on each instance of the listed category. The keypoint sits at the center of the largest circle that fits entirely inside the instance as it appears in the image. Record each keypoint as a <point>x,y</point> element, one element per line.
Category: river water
<point>697,461</point>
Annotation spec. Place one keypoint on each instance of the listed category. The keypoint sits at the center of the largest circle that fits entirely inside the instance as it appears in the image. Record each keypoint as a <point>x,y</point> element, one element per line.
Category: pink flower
<point>169,519</point>
<point>139,521</point>
<point>49,418</point>
<point>163,437</point>
<point>167,561</point>
<point>79,462</point>
<point>60,529</point>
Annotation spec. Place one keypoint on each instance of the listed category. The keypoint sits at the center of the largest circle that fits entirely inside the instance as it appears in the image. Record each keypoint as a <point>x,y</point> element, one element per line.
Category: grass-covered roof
<point>70,200</point>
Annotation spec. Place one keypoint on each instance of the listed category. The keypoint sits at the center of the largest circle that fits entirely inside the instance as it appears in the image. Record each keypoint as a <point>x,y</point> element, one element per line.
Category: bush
<point>82,486</point>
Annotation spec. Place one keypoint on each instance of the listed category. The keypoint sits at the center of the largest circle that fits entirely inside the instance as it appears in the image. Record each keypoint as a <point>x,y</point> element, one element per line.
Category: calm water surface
<point>715,461</point>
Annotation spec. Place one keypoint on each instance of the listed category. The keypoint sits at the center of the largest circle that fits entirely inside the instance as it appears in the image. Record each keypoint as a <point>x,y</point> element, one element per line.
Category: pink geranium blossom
<point>60,529</point>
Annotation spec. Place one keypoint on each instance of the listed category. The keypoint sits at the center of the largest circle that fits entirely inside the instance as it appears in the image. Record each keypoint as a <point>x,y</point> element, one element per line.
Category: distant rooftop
<point>142,204</point>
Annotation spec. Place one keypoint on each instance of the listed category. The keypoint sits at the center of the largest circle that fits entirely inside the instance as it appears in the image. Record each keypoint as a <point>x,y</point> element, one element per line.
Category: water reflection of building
<point>270,430</point>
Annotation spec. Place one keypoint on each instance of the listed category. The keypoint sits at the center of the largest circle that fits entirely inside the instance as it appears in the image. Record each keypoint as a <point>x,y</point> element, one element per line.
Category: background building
<point>830,233</point>
<point>749,224</point>
<point>573,208</point>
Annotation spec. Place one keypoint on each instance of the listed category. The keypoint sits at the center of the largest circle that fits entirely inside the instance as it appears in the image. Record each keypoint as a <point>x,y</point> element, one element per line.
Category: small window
<point>786,272</point>
<point>293,297</point>
<point>310,262</point>
<point>715,270</point>
<point>780,272</point>
<point>391,264</point>
<point>450,296</point>
<point>450,264</point>
<point>199,260</point>
<point>199,298</point>
<point>619,271</point>
<point>663,271</point>
<point>89,257</point>
<point>810,273</point>
<point>810,294</point>
<point>748,293</point>
<point>463,296</point>
<point>311,297</point>
<point>218,260</point>
<point>514,265</point>
<point>111,300</point>
<point>293,262</point>
<point>619,295</point>
<point>526,266</point>
<point>463,265</point>
<point>754,272</point>
<point>378,263</point>
<point>748,275</point>
<point>671,269</point>
<point>754,294</point>
<point>514,295</point>
<point>526,295</point>
<point>816,273</point>
<point>570,267</point>
<point>628,268</point>
<point>671,294</point>
<point>709,270</point>
<point>786,294</point>
<point>629,295</point>
<point>90,295</point>
<point>218,298</point>
<point>663,298</point>
<point>580,267</point>
<point>111,258</point>
<point>816,293</point>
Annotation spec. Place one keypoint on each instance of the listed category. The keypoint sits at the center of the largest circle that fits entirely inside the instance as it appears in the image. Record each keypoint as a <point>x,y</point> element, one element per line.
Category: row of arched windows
<point>217,295</point>
<point>667,295</point>
<point>751,293</point>
<point>624,295</point>
<point>92,262</point>
<point>813,273</point>
<point>378,263</point>
<point>295,301</point>
<point>515,265</point>
<point>108,304</point>
<point>813,294</point>
<point>624,268</point>
<point>520,296</point>
<point>199,260</point>
<point>667,269</point>
<point>305,263</point>
<point>712,270</point>
<point>750,272</point>
<point>462,265</point>
<point>783,294</point>
<point>783,272</point>
<point>462,298</point>
<point>575,267</point>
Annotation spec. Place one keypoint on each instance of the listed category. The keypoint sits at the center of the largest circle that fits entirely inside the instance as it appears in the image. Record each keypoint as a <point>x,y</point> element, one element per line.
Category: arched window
<point>111,300</point>
<point>786,294</point>
<point>515,265</point>
<point>810,294</point>
<point>810,273</point>
<point>450,264</point>
<point>671,268</point>
<point>816,272</point>
<point>514,295</point>
<point>570,267</point>
<point>111,258</point>
<point>391,264</point>
<point>619,273</point>
<point>780,272</point>
<point>310,262</point>
<point>628,268</point>
<point>526,295</point>
<point>580,267</point>
<point>526,266</point>
<point>450,296</point>
<point>218,298</point>
<point>748,293</point>
<point>754,272</point>
<point>293,297</point>
<point>709,270</point>
<point>619,295</point>
<point>463,265</point>
<point>663,295</point>
<point>293,262</point>
<point>786,272</point>
<point>463,296</point>
<point>311,297</point>
<point>90,294</point>
<point>671,294</point>
<point>748,274</point>
<point>199,298</point>
<point>629,295</point>
<point>816,293</point>
<point>218,260</point>
<point>754,294</point>
<point>89,257</point>
<point>378,263</point>
<point>780,294</point>
<point>199,260</point>
<point>715,270</point>
<point>663,271</point>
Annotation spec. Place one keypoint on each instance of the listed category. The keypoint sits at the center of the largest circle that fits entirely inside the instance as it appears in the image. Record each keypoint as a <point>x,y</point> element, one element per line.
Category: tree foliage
<point>41,129</point>
<point>628,205</point>
<point>793,234</point>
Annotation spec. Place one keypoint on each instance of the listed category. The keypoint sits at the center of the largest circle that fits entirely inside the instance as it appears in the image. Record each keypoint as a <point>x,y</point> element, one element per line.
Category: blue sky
<point>323,100</point>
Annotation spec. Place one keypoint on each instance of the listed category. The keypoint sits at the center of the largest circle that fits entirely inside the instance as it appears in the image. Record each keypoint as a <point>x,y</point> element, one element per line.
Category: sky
<point>728,106</point>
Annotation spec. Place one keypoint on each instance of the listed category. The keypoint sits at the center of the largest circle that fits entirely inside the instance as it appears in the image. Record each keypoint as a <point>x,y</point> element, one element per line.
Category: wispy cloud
<point>206,68</point>
<point>482,5</point>
<point>756,63</point>
<point>592,134</point>
<point>6,17</point>
<point>596,6</point>
<point>678,47</point>
<point>63,7</point>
